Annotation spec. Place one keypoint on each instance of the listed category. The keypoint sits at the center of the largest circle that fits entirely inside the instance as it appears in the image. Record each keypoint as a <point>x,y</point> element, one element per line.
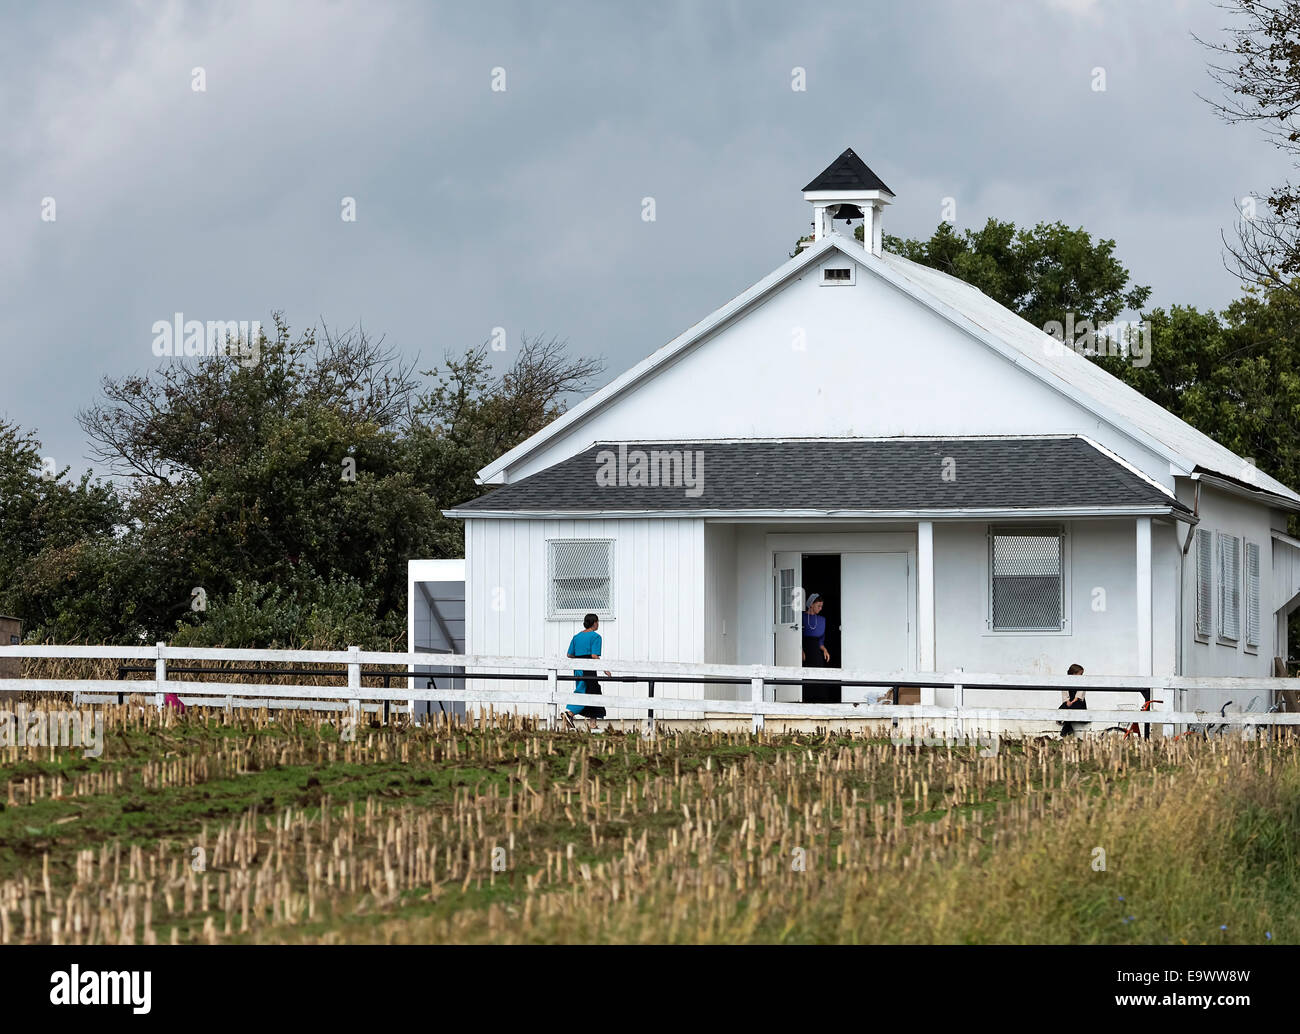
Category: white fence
<point>544,686</point>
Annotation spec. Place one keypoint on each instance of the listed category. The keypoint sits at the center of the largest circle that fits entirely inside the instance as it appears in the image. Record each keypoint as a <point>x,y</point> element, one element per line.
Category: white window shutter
<point>1204,584</point>
<point>1229,587</point>
<point>1252,594</point>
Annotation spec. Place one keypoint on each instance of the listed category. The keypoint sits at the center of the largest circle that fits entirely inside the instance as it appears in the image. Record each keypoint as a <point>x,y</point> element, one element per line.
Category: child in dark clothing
<point>1074,701</point>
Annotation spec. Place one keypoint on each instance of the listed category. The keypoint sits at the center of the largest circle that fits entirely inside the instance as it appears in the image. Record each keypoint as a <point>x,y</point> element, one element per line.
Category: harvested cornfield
<point>211,827</point>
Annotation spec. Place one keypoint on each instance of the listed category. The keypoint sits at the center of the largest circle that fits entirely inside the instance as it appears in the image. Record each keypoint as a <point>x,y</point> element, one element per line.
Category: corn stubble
<point>507,832</point>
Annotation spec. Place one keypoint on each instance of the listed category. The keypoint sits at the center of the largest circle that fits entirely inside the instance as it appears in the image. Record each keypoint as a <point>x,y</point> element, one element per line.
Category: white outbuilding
<point>435,624</point>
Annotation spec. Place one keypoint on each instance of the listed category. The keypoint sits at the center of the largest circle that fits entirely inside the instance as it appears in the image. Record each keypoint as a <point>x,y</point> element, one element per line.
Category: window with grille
<point>1229,586</point>
<point>1252,594</point>
<point>785,597</point>
<point>1028,590</point>
<point>1204,583</point>
<point>581,577</point>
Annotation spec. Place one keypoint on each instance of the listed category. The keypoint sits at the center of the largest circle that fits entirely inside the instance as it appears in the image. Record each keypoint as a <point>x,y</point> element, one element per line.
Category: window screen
<point>1026,566</point>
<point>1229,587</point>
<point>1252,594</point>
<point>1204,583</point>
<point>582,576</point>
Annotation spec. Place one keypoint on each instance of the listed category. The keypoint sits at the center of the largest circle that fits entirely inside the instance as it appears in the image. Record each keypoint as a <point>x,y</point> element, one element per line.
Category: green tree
<point>472,415</point>
<point>278,502</point>
<point>282,472</point>
<point>59,546</point>
<point>1040,274</point>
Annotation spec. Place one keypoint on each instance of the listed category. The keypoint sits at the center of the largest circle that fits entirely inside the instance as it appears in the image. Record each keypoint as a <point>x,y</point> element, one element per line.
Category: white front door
<point>787,608</point>
<point>873,611</point>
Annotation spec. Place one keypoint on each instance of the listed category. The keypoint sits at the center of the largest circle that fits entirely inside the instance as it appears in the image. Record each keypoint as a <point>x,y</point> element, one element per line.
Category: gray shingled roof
<point>839,475</point>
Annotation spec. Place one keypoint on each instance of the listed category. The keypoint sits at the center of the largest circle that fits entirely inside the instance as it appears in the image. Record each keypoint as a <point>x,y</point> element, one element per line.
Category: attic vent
<point>834,275</point>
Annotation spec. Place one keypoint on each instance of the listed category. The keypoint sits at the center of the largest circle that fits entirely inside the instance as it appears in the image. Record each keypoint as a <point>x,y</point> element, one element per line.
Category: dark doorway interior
<point>821,574</point>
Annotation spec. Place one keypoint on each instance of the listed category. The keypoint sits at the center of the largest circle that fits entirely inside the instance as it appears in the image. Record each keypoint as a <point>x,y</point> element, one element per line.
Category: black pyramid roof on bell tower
<point>848,172</point>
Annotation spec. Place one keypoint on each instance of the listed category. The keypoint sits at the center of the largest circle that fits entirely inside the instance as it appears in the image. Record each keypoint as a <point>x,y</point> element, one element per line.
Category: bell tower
<point>846,189</point>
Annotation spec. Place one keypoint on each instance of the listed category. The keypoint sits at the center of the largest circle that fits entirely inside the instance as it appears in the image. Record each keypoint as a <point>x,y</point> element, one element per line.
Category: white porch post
<point>1144,596</point>
<point>1145,624</point>
<point>925,602</point>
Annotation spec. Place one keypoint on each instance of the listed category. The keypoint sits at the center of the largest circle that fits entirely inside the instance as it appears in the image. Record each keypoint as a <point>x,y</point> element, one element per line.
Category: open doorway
<point>869,602</point>
<point>821,575</point>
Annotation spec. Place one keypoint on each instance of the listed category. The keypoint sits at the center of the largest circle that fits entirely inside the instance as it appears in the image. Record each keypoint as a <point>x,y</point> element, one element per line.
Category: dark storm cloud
<point>522,208</point>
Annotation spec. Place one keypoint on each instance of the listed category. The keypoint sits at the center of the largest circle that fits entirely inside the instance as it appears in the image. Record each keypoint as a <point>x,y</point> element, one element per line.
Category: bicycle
<point>1207,731</point>
<point>1133,728</point>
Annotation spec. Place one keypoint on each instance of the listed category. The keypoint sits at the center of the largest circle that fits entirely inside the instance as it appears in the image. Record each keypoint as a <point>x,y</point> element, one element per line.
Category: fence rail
<point>537,682</point>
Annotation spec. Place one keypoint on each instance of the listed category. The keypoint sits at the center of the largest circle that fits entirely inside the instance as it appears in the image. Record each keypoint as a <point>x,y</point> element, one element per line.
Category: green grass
<point>1196,837</point>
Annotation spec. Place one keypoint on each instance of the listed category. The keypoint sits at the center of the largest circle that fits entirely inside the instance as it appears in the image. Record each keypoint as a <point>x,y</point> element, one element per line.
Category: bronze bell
<point>847,212</point>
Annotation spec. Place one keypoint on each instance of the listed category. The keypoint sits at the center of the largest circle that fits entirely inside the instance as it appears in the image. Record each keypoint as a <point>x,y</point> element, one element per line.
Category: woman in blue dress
<point>586,644</point>
<point>815,654</point>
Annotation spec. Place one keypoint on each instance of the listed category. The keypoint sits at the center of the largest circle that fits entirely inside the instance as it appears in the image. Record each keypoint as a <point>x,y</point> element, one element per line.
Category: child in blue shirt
<point>587,644</point>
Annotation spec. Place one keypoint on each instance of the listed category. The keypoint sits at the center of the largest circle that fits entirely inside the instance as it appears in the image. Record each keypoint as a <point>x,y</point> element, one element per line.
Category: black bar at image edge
<point>201,986</point>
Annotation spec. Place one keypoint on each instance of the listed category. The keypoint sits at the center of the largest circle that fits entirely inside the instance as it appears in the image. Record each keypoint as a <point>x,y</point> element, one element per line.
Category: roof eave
<point>1035,513</point>
<point>1244,491</point>
<point>883,196</point>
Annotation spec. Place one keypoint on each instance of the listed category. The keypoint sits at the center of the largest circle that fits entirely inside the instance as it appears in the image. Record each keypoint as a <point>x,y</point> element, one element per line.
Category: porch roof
<point>1037,475</point>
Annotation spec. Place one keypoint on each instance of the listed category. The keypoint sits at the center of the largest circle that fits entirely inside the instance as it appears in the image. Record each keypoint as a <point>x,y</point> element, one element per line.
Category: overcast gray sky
<point>522,208</point>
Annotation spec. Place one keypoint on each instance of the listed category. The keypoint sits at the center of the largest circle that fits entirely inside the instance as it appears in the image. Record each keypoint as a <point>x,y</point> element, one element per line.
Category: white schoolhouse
<point>964,491</point>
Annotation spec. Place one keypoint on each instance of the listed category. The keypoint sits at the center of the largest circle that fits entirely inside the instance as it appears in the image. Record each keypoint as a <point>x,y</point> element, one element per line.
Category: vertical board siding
<point>659,586</point>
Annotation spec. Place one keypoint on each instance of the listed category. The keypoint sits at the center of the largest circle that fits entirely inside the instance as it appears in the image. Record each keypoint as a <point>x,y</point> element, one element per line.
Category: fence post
<point>159,675</point>
<point>756,696</point>
<point>1170,705</point>
<point>354,680</point>
<point>959,701</point>
<point>553,691</point>
<point>410,684</point>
